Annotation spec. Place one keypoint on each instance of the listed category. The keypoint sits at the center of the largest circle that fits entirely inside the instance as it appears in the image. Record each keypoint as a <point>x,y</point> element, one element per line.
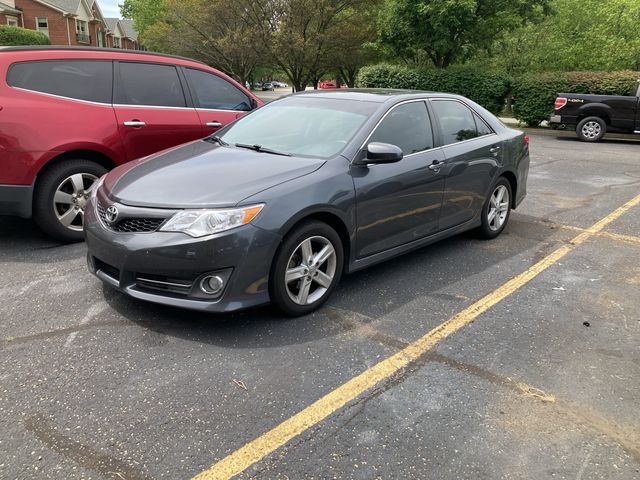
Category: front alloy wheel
<point>61,193</point>
<point>70,199</point>
<point>310,270</point>
<point>306,268</point>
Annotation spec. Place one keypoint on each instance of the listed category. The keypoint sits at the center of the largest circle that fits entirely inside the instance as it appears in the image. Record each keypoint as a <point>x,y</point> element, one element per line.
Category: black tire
<point>591,129</point>
<point>279,291</point>
<point>46,213</point>
<point>490,229</point>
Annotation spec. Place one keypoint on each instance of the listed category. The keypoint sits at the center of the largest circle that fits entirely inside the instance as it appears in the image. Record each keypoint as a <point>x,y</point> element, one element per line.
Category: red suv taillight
<point>560,102</point>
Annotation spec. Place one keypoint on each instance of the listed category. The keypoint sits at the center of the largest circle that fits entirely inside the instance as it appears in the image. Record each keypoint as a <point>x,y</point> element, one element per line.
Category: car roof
<point>122,51</point>
<point>377,95</point>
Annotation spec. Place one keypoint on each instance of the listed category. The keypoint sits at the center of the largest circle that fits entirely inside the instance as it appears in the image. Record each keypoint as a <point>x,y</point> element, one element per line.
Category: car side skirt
<point>361,263</point>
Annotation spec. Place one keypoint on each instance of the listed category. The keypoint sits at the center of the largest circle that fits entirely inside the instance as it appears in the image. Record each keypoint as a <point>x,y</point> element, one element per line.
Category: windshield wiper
<point>260,148</point>
<point>217,139</point>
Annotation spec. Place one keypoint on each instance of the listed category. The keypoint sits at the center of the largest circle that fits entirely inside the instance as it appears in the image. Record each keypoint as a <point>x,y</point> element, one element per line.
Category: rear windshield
<point>302,126</point>
<point>80,79</point>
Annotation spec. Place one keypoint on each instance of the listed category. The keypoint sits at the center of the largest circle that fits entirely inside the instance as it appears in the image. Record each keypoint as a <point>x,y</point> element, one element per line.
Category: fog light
<point>212,284</point>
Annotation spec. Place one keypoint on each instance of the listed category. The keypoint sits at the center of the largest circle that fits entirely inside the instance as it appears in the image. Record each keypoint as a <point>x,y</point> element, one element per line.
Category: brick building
<point>9,14</point>
<point>70,22</point>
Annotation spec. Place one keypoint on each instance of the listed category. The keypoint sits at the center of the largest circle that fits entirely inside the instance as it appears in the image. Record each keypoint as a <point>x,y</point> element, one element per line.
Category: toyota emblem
<point>111,214</point>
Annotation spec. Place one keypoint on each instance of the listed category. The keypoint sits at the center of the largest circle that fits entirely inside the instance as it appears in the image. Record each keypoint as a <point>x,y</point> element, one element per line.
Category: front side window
<point>42,25</point>
<point>406,126</point>
<point>149,84</point>
<point>214,92</point>
<point>456,121</point>
<point>301,126</point>
<point>80,79</point>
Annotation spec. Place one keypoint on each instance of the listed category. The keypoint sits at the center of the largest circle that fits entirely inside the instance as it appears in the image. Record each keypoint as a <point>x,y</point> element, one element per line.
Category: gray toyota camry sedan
<point>278,205</point>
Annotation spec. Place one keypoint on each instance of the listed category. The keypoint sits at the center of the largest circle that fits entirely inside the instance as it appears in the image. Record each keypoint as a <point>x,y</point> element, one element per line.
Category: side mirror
<point>378,152</point>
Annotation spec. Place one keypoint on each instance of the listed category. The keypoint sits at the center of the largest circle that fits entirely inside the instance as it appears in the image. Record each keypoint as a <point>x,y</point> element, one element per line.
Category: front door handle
<point>134,123</point>
<point>436,165</point>
<point>213,124</point>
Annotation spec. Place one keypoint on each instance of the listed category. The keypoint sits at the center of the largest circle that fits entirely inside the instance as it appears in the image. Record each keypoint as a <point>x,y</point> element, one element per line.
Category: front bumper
<point>16,200</point>
<point>167,268</point>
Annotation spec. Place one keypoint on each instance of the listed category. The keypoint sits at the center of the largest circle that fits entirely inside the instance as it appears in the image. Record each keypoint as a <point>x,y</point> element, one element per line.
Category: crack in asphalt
<point>62,331</point>
<point>84,455</point>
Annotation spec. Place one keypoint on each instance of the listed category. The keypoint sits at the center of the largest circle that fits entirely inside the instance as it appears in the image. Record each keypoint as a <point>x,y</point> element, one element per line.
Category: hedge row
<point>486,88</point>
<point>534,94</point>
<point>21,36</point>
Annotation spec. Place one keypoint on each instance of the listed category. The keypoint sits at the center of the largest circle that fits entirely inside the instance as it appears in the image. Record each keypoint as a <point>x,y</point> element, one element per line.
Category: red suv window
<point>80,79</point>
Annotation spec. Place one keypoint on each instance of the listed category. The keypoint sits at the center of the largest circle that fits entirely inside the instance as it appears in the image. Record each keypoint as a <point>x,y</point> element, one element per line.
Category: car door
<point>472,155</point>
<point>398,203</point>
<point>217,101</point>
<point>151,108</point>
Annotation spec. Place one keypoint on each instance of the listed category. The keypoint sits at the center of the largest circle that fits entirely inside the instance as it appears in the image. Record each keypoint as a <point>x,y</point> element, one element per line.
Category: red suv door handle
<point>213,124</point>
<point>134,123</point>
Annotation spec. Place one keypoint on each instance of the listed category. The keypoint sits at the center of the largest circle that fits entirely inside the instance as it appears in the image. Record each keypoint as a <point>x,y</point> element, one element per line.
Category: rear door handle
<point>436,165</point>
<point>494,150</point>
<point>213,124</point>
<point>134,123</point>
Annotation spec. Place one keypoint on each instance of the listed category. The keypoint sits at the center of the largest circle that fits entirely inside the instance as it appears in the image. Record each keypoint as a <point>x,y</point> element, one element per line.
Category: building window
<point>99,38</point>
<point>13,21</point>
<point>82,32</point>
<point>116,42</point>
<point>42,25</point>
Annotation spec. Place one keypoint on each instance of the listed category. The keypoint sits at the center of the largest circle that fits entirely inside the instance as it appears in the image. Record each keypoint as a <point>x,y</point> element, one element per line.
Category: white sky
<point>110,8</point>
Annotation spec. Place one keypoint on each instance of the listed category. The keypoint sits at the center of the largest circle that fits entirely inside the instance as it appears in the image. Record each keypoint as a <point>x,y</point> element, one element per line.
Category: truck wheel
<point>591,129</point>
<point>61,194</point>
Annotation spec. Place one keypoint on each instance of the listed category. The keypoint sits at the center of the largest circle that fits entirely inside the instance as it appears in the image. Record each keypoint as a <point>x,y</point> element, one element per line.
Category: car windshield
<point>301,126</point>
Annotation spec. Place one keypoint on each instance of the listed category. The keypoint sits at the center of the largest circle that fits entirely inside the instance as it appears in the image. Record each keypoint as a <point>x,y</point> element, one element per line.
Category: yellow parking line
<point>610,235</point>
<point>275,438</point>
<point>621,238</point>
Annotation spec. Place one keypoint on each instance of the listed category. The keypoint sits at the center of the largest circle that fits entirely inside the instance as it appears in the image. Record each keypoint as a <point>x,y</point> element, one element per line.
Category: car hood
<point>202,174</point>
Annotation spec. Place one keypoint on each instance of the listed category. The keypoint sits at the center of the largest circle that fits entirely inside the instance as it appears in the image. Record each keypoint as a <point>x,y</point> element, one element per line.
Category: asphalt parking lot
<point>536,374</point>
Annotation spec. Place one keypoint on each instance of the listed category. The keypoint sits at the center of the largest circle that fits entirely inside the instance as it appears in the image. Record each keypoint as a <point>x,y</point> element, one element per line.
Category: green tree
<point>445,31</point>
<point>215,32</point>
<point>300,35</point>
<point>580,35</point>
<point>144,13</point>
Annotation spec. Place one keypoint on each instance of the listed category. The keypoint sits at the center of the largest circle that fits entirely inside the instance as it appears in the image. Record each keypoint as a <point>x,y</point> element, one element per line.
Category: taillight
<point>526,139</point>
<point>560,102</point>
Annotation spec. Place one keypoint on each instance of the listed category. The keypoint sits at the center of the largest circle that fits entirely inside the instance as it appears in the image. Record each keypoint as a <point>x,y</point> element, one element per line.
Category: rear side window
<point>149,84</point>
<point>80,79</point>
<point>456,121</point>
<point>406,126</point>
<point>214,92</point>
<point>482,127</point>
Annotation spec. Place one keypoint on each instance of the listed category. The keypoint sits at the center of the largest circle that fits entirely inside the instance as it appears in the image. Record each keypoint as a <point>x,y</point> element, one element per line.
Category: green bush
<point>486,88</point>
<point>21,36</point>
<point>534,94</point>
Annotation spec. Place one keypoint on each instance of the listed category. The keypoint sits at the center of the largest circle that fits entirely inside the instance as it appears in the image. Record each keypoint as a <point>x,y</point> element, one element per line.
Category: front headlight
<point>199,223</point>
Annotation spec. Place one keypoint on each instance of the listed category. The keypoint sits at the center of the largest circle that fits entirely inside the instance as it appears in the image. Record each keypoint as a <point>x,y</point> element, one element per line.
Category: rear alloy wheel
<point>591,129</point>
<point>61,196</point>
<point>306,268</point>
<point>495,213</point>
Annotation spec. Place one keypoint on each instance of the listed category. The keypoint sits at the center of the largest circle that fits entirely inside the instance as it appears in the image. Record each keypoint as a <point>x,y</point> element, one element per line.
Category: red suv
<point>67,115</point>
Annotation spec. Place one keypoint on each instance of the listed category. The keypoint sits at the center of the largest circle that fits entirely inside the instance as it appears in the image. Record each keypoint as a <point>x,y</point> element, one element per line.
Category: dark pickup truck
<point>593,115</point>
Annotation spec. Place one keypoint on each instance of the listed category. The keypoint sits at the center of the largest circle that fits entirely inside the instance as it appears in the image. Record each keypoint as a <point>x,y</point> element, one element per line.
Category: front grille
<point>164,284</point>
<point>130,224</point>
